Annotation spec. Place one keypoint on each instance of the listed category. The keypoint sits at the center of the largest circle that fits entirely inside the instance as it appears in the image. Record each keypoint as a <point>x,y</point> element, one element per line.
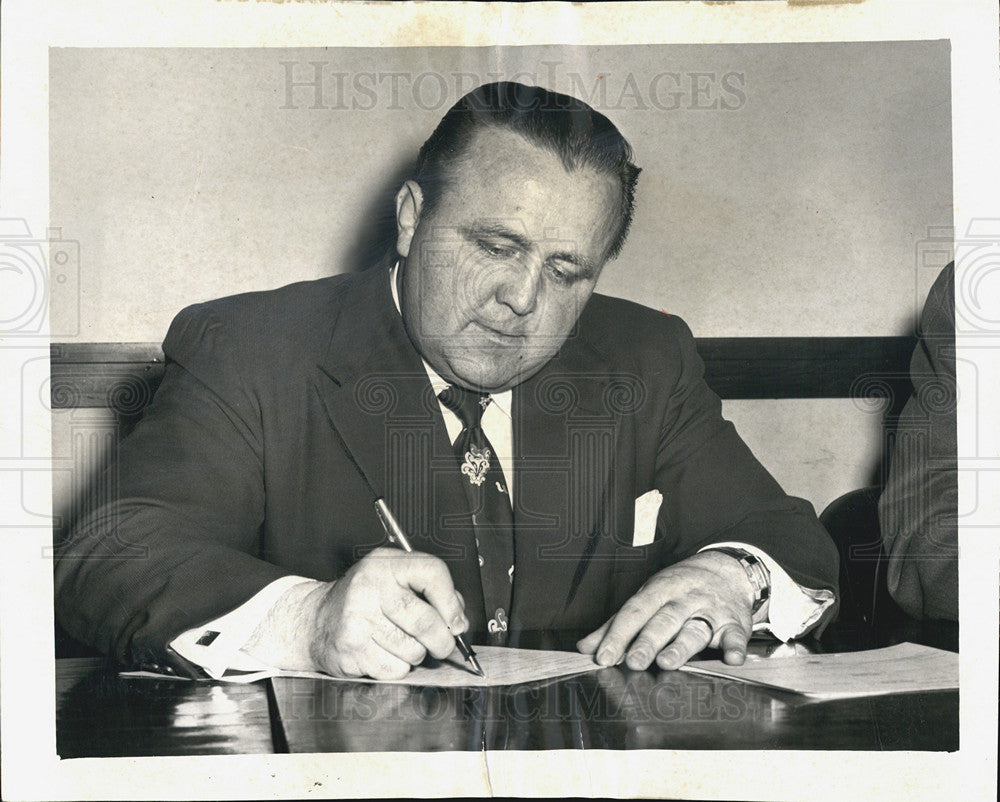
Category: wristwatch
<point>757,573</point>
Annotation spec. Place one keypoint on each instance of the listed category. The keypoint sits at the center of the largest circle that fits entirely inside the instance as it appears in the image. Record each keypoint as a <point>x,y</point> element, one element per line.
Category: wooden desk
<point>608,709</point>
<point>100,714</point>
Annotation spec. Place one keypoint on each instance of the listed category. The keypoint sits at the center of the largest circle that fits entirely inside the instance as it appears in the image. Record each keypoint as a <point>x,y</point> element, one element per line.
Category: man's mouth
<point>499,336</point>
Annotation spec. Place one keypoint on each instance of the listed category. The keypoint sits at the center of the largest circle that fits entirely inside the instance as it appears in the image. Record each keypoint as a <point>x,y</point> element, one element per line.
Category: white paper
<point>903,668</point>
<point>502,666</point>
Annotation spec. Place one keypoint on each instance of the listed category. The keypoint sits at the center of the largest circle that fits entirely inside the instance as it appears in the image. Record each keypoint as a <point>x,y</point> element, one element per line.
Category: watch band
<point>757,573</point>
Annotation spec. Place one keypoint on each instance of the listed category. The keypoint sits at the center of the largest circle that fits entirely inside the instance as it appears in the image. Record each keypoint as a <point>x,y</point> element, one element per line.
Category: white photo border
<point>31,769</point>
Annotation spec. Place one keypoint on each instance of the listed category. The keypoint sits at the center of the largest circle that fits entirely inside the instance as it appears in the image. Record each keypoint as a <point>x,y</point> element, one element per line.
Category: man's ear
<point>409,202</point>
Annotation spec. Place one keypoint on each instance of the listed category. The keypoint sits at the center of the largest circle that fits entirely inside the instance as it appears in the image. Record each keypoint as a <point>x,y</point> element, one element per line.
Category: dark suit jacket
<point>237,474</point>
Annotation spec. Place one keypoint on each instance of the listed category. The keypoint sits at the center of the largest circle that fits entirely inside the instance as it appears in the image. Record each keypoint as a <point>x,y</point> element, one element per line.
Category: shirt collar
<point>501,400</point>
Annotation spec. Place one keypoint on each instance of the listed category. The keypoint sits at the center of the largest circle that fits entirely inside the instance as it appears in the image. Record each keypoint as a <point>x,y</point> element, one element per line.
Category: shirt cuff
<point>792,608</point>
<point>216,646</point>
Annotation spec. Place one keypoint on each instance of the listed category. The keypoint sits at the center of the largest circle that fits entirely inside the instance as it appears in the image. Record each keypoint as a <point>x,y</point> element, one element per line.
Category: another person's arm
<point>919,505</point>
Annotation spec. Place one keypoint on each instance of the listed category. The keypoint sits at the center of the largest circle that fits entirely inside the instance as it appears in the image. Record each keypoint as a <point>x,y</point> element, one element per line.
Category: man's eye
<point>561,275</point>
<point>497,251</point>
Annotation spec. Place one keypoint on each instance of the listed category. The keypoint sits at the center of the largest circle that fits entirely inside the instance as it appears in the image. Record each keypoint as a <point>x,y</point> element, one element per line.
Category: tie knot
<point>469,406</point>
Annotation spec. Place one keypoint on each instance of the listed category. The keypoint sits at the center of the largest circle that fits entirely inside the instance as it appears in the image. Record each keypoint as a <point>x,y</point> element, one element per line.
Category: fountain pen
<point>395,533</point>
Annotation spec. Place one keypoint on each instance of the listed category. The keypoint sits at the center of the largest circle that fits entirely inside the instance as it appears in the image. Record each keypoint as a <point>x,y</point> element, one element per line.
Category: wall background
<point>785,192</point>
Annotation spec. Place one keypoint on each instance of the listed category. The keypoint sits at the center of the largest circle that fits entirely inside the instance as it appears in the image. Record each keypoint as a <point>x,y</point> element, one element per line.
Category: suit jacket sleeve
<point>714,488</point>
<point>175,548</point>
<point>919,506</point>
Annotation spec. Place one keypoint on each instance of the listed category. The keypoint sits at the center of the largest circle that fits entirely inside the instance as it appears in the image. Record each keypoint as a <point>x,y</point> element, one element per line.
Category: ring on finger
<point>706,622</point>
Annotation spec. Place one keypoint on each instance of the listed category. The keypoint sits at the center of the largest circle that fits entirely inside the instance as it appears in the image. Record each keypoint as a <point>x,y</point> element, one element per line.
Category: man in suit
<point>555,455</point>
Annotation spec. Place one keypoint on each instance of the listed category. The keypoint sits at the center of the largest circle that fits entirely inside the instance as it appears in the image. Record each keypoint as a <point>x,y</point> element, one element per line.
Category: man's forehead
<point>498,159</point>
<point>524,187</point>
<point>491,145</point>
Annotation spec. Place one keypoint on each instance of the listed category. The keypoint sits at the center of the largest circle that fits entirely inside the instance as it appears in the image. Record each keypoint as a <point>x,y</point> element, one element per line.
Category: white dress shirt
<point>792,607</point>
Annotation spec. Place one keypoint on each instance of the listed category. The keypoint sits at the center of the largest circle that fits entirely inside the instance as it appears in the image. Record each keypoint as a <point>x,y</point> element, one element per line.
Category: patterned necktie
<point>489,502</point>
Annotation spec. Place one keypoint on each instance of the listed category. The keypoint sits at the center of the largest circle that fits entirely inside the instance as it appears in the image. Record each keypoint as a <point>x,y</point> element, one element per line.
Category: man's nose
<point>519,288</point>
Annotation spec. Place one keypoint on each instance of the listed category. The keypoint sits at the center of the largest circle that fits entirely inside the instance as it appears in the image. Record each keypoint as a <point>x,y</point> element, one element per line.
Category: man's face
<point>498,272</point>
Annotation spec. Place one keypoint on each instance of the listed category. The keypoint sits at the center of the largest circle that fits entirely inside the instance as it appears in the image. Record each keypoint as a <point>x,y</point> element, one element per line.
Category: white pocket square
<point>647,506</point>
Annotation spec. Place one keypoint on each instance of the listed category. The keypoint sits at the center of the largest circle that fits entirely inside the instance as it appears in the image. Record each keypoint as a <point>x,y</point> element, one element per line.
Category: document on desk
<point>502,666</point>
<point>904,668</point>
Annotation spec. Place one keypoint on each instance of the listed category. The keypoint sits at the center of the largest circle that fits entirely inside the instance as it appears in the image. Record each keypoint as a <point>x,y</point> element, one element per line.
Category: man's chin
<point>491,377</point>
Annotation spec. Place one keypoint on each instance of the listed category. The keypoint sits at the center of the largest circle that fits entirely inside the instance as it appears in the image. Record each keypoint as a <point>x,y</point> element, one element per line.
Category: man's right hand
<point>381,618</point>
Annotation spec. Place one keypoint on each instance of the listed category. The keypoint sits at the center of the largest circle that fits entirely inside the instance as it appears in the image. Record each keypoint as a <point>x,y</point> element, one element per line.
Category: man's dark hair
<point>568,127</point>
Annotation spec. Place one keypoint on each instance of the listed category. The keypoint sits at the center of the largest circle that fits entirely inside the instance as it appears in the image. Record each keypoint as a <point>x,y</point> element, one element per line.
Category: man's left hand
<point>703,601</point>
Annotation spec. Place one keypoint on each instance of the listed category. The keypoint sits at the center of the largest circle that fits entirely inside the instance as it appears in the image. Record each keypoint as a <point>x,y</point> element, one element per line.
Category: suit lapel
<point>385,417</point>
<point>565,433</point>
